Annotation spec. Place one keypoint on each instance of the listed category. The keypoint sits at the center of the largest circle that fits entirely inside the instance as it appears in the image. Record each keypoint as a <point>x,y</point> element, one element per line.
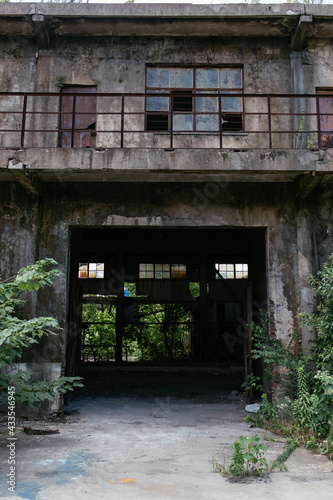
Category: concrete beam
<point>306,183</point>
<point>158,165</point>
<point>42,32</point>
<point>19,171</point>
<point>300,33</point>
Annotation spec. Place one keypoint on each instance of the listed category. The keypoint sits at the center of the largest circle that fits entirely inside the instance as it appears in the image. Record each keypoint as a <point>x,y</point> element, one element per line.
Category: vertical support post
<point>318,120</point>
<point>73,120</point>
<point>24,118</point>
<point>220,120</point>
<point>122,121</point>
<point>203,327</point>
<point>171,121</point>
<point>120,328</point>
<point>269,121</point>
<point>248,350</point>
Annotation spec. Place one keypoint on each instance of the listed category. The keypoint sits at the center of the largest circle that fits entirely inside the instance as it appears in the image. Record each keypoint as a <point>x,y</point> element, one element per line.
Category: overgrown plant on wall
<point>302,406</point>
<point>18,333</point>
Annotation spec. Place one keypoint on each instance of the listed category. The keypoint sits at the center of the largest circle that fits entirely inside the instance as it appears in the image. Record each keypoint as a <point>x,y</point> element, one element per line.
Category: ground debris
<point>40,429</point>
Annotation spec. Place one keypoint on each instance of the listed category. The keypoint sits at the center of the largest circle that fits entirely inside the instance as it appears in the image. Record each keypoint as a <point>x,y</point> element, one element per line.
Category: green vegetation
<point>302,410</point>
<point>18,333</point>
<point>154,332</point>
<point>247,458</point>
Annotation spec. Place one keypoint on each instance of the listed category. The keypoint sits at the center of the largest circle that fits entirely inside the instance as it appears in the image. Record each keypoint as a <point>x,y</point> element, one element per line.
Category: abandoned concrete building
<point>172,155</point>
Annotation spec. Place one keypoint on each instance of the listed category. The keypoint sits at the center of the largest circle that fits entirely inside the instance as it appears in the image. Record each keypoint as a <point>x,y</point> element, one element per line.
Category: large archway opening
<point>164,298</point>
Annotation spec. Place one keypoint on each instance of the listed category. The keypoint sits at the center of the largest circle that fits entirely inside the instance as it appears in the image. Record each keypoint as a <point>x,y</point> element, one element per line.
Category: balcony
<point>94,137</point>
<point>104,121</point>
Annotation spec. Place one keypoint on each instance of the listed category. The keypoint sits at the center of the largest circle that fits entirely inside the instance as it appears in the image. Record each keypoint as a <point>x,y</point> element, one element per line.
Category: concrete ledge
<point>159,165</point>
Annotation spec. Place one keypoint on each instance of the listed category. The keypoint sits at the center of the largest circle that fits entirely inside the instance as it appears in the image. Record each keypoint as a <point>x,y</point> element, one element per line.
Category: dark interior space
<point>167,305</point>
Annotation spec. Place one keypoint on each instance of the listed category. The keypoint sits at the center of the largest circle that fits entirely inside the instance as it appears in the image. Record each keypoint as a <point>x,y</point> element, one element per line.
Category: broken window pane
<point>225,80</point>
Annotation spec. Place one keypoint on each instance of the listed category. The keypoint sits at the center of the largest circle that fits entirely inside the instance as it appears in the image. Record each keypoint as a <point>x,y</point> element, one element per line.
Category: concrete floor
<point>149,436</point>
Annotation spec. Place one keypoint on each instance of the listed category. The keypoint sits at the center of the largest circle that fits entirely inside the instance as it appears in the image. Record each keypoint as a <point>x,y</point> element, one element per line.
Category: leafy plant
<point>252,383</point>
<point>18,333</point>
<point>60,82</point>
<point>301,405</point>
<point>237,465</point>
<point>289,447</point>
<point>248,456</point>
<point>254,450</point>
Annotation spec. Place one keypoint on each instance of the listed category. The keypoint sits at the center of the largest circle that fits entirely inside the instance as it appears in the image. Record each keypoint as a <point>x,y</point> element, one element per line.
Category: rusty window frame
<point>159,120</point>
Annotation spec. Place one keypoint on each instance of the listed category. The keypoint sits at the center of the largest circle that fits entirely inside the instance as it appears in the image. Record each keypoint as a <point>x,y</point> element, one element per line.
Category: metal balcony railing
<point>187,121</point>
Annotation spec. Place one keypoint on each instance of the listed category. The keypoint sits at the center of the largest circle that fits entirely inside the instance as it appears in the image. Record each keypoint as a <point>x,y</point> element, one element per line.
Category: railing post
<point>269,121</point>
<point>24,118</point>
<point>171,121</point>
<point>220,120</point>
<point>73,120</point>
<point>122,121</point>
<point>318,121</point>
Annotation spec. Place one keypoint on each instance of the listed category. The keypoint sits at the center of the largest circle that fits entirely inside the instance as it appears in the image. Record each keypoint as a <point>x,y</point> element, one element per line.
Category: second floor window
<point>178,94</point>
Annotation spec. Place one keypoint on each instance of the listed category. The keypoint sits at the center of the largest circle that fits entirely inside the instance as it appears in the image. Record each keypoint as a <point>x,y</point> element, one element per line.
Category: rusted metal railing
<point>113,120</point>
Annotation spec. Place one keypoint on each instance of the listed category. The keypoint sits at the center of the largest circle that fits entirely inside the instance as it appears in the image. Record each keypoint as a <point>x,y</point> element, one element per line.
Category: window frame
<point>231,271</point>
<point>161,273</point>
<point>164,116</point>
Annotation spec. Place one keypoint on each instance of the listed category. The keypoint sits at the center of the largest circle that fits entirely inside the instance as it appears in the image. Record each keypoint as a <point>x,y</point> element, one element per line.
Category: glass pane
<point>208,123</point>
<point>83,270</point>
<point>158,77</point>
<point>158,275</point>
<point>207,104</point>
<point>158,267</point>
<point>150,267</point>
<point>207,78</point>
<point>92,266</point>
<point>231,104</point>
<point>149,274</point>
<point>178,271</point>
<point>182,122</point>
<point>236,79</point>
<point>231,78</point>
<point>158,103</point>
<point>181,78</point>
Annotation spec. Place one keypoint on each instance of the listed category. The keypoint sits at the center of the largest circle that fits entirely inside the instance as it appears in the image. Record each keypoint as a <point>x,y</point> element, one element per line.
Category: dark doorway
<point>164,296</point>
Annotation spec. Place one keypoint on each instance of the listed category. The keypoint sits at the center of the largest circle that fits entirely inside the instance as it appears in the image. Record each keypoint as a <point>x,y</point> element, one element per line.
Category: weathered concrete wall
<point>34,228</point>
<point>117,64</point>
<point>290,227</point>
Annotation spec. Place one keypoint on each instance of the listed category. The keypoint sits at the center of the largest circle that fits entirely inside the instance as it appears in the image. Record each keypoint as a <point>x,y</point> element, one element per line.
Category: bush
<point>18,333</point>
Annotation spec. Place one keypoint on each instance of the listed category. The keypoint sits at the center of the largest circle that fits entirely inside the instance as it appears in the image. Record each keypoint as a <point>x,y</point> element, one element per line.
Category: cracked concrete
<point>149,436</point>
